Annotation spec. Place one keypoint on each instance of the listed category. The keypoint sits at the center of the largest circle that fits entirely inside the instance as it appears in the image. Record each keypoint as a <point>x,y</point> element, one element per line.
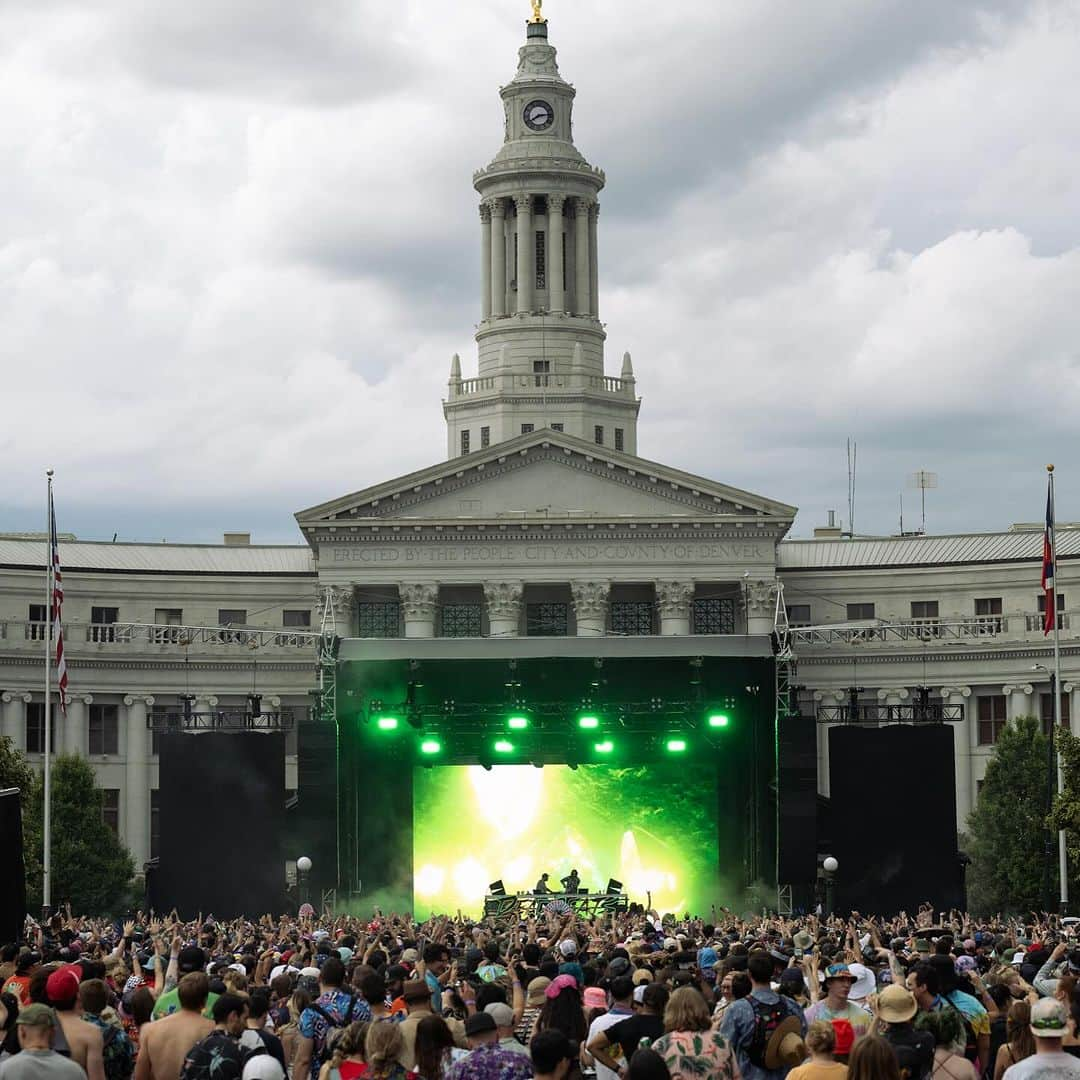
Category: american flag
<point>57,606</point>
<point>1049,595</point>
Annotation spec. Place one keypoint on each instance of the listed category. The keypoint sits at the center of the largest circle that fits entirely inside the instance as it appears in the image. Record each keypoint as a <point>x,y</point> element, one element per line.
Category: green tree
<point>90,867</point>
<point>1008,830</point>
<point>14,770</point>
<point>1066,813</point>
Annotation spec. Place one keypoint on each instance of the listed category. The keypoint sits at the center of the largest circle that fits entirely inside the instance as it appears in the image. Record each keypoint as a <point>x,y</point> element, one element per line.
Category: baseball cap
<point>501,1013</point>
<point>191,958</point>
<point>478,1023</point>
<point>619,966</point>
<point>1048,1019</point>
<point>37,1015</point>
<point>568,947</point>
<point>63,984</point>
<point>840,971</point>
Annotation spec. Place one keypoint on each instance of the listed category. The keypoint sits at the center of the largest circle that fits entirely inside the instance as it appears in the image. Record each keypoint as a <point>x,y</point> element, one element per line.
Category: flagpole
<point>1063,856</point>
<point>46,830</point>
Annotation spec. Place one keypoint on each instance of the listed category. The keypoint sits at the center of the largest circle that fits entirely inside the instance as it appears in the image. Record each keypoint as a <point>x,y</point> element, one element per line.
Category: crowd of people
<point>629,997</point>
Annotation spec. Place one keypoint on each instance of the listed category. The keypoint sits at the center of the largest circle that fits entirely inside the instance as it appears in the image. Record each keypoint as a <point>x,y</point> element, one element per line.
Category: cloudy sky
<point>239,244</point>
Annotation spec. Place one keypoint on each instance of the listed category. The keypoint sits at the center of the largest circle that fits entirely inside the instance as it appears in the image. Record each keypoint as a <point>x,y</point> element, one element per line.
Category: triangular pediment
<point>544,476</point>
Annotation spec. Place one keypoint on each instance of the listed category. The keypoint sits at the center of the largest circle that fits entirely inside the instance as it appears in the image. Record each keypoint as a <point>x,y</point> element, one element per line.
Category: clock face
<point>539,115</point>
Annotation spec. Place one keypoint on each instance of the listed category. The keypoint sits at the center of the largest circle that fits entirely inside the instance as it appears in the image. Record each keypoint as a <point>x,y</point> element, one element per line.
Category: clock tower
<point>540,339</point>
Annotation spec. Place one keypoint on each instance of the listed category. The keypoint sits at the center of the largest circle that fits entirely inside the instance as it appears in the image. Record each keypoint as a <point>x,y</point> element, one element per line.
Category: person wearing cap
<point>504,1020</point>
<point>835,1005</point>
<point>627,1034</point>
<point>487,1060</point>
<point>534,1004</point>
<point>1049,1025</point>
<point>83,1039</point>
<point>37,1060</point>
<point>418,1003</point>
<point>622,1006</point>
<point>896,1009</point>
<point>163,1044</point>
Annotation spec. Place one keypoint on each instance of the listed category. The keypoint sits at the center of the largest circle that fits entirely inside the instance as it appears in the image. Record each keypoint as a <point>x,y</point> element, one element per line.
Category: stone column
<point>137,779</point>
<point>344,598</point>
<point>1068,688</point>
<point>760,607</point>
<point>498,258</point>
<point>75,727</point>
<point>962,740</point>
<point>673,601</point>
<point>1019,695</point>
<point>891,700</point>
<point>591,606</point>
<point>526,274</point>
<point>418,603</point>
<point>503,600</point>
<point>829,698</point>
<point>556,284</point>
<point>13,704</point>
<point>581,260</point>
<point>485,260</point>
<point>594,262</point>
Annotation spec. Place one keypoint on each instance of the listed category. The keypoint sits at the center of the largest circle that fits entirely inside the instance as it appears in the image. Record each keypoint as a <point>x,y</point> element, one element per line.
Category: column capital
<point>503,598</point>
<point>498,207</point>
<point>556,203</point>
<point>900,692</point>
<point>138,699</point>
<point>590,598</point>
<point>594,211</point>
<point>485,212</point>
<point>523,204</point>
<point>1018,688</point>
<point>9,696</point>
<point>85,699</point>
<point>956,691</point>
<point>210,699</point>
<point>760,598</point>
<point>1067,687</point>
<point>673,598</point>
<point>274,702</point>
<point>344,597</point>
<point>418,600</point>
<point>581,205</point>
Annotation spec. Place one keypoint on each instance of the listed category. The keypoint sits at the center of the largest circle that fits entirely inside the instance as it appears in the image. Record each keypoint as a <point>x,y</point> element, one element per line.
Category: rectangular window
<point>37,620</point>
<point>465,441</point>
<point>296,618</point>
<point>541,260</point>
<point>104,730</point>
<point>988,614</point>
<point>485,437</point>
<point>598,434</point>
<point>632,617</point>
<point>1042,602</point>
<point>35,729</point>
<point>714,615</point>
<point>526,428</point>
<point>542,372</point>
<point>155,822</point>
<point>924,609</point>
<point>556,427</point>
<point>798,615</point>
<point>547,620</point>
<point>860,612</point>
<point>1046,711</point>
<point>620,442</point>
<point>378,619</point>
<point>101,623</point>
<point>992,718</point>
<point>990,605</point>
<point>166,617</point>
<point>233,619</point>
<point>513,281</point>
<point>110,808</point>
<point>461,620</point>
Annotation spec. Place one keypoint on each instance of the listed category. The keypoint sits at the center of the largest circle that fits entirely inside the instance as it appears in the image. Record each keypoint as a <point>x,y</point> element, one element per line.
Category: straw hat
<point>786,1048</point>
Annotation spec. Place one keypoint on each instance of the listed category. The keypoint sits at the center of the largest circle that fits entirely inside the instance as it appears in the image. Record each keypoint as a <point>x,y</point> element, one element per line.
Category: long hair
<point>349,1043</point>
<point>873,1058</point>
<point>382,1048</point>
<point>686,1011</point>
<point>564,1013</point>
<point>1018,1027</point>
<point>434,1041</point>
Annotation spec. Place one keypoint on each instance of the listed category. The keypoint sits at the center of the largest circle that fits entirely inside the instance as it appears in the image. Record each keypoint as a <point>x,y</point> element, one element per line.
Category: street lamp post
<point>829,865</point>
<point>303,868</point>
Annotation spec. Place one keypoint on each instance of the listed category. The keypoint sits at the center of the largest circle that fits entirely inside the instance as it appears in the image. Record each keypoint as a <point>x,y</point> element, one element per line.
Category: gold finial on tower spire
<point>537,6</point>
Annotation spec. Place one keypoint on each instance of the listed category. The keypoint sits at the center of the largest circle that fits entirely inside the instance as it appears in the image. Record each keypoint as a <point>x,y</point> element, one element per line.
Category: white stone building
<point>542,522</point>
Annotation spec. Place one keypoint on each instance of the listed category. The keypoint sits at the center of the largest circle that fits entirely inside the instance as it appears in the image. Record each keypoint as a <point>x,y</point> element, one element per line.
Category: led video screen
<point>652,827</point>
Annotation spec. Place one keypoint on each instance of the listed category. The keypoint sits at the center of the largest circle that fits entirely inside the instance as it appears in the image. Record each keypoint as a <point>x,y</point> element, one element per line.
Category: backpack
<point>117,1054</point>
<point>332,1021</point>
<point>971,1046</point>
<point>768,1016</point>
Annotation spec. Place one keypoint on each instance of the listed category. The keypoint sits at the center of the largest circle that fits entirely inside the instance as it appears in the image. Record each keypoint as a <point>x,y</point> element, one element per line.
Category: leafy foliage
<point>91,868</point>
<point>1009,830</point>
<point>14,770</point>
<point>1066,813</point>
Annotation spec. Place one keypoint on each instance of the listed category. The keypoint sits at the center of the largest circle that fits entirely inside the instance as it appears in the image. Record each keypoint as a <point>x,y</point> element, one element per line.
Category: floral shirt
<point>491,1062</point>
<point>697,1055</point>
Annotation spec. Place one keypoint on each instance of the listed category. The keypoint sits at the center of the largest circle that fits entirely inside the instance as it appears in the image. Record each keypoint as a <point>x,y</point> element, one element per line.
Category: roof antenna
<point>852,465</point>
<point>923,480</point>
<point>901,513</point>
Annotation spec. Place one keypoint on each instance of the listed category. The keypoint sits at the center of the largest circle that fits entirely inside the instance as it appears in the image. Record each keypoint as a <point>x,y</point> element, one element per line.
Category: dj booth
<point>534,905</point>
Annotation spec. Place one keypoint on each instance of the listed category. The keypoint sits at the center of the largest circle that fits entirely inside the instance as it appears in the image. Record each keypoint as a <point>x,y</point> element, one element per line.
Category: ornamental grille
<point>714,616</point>
<point>633,617</point>
<point>546,620</point>
<point>378,619</point>
<point>461,620</point>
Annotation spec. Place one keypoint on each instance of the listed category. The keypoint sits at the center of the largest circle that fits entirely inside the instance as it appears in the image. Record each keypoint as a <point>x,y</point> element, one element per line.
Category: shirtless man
<point>83,1039</point>
<point>165,1043</point>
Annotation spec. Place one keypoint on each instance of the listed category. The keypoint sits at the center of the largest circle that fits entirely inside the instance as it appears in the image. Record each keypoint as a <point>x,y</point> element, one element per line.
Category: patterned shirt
<point>697,1055</point>
<point>491,1062</point>
<point>859,1018</point>
<point>342,1009</point>
<point>217,1057</point>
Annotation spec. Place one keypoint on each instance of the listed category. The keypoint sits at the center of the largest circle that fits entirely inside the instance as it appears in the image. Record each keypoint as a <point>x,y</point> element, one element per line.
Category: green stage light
<point>504,747</point>
<point>675,746</point>
<point>387,723</point>
<point>719,720</point>
<point>517,723</point>
<point>588,722</point>
<point>605,747</point>
<point>431,746</point>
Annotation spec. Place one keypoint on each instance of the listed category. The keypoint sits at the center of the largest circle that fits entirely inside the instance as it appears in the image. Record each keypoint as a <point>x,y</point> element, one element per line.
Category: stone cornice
<point>984,655</point>
<point>577,532</point>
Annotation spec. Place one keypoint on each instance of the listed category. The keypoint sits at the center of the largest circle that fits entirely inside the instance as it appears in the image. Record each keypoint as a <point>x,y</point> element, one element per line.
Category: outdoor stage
<point>457,763</point>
